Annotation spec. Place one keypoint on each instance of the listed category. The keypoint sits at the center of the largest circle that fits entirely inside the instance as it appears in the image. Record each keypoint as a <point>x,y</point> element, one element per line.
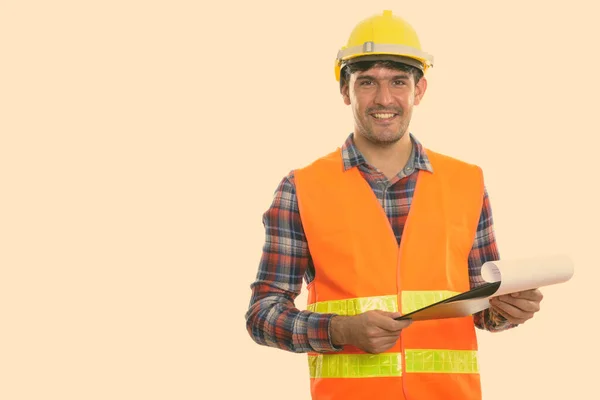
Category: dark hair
<point>360,66</point>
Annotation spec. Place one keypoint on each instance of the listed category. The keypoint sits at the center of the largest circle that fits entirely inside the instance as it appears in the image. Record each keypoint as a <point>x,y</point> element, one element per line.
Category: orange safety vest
<point>359,267</point>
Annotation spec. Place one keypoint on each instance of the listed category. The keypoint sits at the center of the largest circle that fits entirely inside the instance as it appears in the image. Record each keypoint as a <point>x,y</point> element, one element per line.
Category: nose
<point>383,95</point>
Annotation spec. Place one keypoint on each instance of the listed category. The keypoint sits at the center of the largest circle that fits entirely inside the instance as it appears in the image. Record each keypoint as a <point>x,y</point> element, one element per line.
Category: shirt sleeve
<point>485,249</point>
<point>272,318</point>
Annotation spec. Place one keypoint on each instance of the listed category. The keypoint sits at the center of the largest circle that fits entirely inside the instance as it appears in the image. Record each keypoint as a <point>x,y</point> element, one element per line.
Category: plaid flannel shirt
<point>274,320</point>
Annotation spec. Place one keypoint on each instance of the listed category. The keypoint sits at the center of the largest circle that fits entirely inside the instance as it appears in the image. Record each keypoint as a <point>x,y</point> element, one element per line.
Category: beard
<point>380,135</point>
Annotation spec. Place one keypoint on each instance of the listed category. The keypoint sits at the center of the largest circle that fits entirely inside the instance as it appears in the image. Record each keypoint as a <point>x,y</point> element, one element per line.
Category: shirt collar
<point>352,156</point>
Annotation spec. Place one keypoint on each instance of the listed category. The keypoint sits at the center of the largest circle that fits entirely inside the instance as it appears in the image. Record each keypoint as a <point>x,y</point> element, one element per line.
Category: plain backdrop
<point>141,141</point>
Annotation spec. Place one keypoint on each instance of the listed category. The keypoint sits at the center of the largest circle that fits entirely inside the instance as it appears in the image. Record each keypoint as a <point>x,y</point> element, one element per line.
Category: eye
<point>365,82</point>
<point>399,82</point>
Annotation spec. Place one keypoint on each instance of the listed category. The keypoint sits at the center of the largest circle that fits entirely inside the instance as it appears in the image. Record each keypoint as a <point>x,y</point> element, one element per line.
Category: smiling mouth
<point>383,116</point>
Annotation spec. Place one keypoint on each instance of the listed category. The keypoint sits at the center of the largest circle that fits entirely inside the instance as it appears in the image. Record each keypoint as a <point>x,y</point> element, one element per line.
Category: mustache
<point>384,110</point>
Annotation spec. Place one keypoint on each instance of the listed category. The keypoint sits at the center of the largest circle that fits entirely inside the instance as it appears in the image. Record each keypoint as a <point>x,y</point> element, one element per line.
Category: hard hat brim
<point>370,48</point>
<point>386,57</point>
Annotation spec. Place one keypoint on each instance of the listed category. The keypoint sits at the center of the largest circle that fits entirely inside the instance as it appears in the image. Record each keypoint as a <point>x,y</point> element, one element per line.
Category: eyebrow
<point>371,77</point>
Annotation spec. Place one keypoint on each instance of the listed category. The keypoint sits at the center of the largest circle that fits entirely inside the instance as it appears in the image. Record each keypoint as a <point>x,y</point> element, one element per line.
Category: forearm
<point>485,249</point>
<point>273,320</point>
<point>338,330</point>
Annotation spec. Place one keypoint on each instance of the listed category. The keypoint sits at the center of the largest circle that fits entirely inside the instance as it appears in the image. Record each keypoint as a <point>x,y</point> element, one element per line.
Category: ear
<point>346,93</point>
<point>420,90</point>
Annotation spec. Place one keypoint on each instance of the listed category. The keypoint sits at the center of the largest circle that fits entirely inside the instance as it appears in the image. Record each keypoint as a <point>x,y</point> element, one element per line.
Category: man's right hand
<point>372,331</point>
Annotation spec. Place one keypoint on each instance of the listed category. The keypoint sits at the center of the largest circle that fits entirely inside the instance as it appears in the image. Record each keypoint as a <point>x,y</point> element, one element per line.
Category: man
<point>377,228</point>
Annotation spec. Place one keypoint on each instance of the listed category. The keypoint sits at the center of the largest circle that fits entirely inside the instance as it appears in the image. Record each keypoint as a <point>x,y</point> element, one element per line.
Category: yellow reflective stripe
<point>442,361</point>
<point>415,299</point>
<point>356,306</point>
<point>411,301</point>
<point>355,365</point>
<point>389,364</point>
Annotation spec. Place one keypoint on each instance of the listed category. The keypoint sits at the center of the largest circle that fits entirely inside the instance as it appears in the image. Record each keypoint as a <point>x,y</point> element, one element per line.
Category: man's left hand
<point>518,307</point>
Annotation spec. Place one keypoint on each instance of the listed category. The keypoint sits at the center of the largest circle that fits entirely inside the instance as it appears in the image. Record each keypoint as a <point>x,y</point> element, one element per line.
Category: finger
<point>385,341</point>
<point>382,333</point>
<point>522,304</point>
<point>392,325</point>
<point>533,295</point>
<point>389,314</point>
<point>511,310</point>
<point>377,332</point>
<point>377,345</point>
<point>382,344</point>
<point>508,317</point>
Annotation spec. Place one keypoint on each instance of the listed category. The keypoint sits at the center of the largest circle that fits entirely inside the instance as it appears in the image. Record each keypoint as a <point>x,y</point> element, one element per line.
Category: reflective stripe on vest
<point>411,301</point>
<point>390,364</point>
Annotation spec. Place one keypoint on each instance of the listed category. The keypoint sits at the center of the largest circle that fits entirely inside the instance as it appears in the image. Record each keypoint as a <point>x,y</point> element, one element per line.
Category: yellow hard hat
<point>386,35</point>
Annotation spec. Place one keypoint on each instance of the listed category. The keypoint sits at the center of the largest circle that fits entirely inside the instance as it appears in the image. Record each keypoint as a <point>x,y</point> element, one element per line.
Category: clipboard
<point>501,277</point>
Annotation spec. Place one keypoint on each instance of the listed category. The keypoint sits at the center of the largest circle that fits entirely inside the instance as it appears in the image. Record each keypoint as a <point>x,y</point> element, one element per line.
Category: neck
<point>387,158</point>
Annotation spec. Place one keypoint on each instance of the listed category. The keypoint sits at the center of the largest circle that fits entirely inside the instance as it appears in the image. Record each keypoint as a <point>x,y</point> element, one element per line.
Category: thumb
<point>389,314</point>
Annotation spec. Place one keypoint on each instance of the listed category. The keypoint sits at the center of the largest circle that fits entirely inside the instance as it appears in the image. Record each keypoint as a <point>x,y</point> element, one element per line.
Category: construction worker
<point>379,227</point>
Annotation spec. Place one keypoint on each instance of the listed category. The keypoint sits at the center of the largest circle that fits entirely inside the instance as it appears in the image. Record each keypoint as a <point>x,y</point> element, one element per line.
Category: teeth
<point>383,116</point>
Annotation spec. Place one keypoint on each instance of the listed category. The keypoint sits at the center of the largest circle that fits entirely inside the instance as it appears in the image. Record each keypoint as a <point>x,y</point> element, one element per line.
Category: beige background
<point>142,141</point>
